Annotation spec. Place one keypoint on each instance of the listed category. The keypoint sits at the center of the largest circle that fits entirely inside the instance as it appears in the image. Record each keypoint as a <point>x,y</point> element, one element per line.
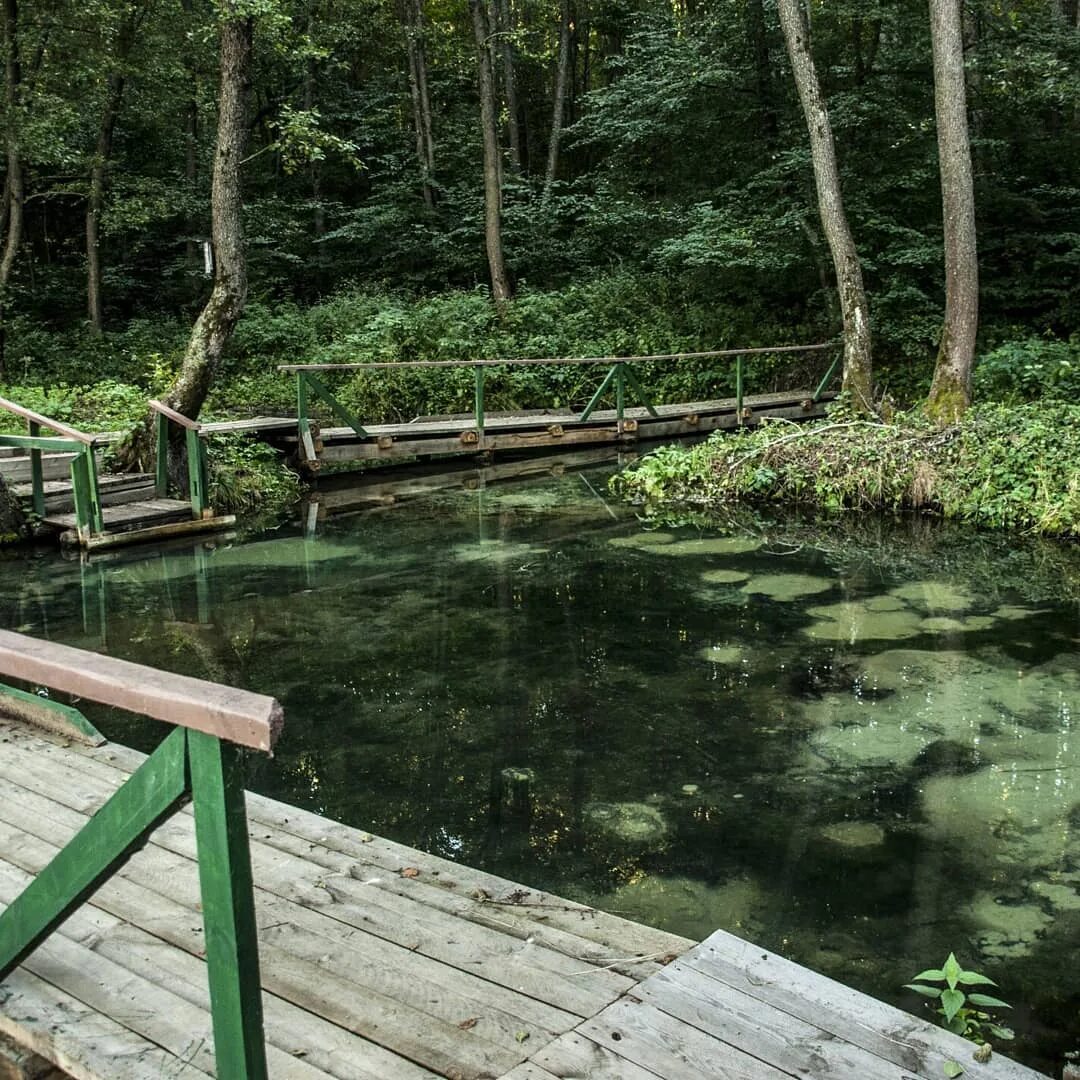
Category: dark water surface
<point>853,745</point>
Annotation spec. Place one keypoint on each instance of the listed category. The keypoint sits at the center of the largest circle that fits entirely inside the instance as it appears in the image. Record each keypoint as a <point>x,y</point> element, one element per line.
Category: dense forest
<point>616,175</point>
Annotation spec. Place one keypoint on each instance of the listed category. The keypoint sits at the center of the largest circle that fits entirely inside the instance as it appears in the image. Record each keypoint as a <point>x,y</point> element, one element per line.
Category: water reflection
<point>852,745</point>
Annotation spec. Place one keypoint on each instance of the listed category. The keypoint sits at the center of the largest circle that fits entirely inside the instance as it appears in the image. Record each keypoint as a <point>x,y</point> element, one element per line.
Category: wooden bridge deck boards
<point>383,963</point>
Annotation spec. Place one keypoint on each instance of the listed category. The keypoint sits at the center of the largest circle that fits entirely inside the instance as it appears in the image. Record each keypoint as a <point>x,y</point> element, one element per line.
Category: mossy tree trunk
<point>501,289</point>
<point>558,111</point>
<point>218,319</point>
<point>858,369</point>
<point>12,519</point>
<point>950,392</point>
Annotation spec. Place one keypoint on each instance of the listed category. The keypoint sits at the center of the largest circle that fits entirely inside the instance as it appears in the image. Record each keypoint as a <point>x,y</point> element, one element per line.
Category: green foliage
<point>1030,369</point>
<point>247,475</point>
<point>961,1011</point>
<point>1002,467</point>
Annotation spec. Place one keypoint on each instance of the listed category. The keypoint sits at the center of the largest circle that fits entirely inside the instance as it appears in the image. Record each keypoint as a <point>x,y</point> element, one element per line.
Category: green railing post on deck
<point>37,476</point>
<point>186,763</point>
<point>161,463</point>
<point>632,382</point>
<point>620,391</point>
<point>232,954</point>
<point>600,391</point>
<point>478,403</point>
<point>326,394</point>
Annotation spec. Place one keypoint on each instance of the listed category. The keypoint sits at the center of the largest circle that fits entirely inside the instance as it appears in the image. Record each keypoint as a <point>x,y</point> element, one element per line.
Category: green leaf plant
<point>961,1011</point>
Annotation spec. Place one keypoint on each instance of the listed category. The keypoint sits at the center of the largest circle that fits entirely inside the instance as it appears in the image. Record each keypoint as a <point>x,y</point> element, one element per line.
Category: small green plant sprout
<point>961,1012</point>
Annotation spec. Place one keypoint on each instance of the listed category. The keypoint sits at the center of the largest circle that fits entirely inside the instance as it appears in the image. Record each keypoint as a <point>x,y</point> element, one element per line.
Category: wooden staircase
<point>58,477</point>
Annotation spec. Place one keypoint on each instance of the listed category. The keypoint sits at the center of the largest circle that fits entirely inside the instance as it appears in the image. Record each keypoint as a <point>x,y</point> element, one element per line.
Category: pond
<point>852,744</point>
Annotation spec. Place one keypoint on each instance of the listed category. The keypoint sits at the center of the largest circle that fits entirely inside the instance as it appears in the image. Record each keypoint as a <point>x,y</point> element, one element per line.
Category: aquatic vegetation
<point>786,587</point>
<point>708,545</point>
<point>962,1012</point>
<point>854,834</point>
<point>724,577</point>
<point>722,654</point>
<point>853,620</point>
<point>642,539</point>
<point>497,551</point>
<point>934,596</point>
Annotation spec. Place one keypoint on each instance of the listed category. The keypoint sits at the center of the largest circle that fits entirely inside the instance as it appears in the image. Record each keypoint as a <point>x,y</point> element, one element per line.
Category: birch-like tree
<point>855,311</point>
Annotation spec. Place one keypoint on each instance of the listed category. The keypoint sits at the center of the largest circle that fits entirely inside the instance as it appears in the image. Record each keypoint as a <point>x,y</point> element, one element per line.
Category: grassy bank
<point>1005,466</point>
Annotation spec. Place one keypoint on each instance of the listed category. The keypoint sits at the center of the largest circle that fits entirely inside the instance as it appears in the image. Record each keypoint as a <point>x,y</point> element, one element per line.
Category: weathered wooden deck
<point>382,963</point>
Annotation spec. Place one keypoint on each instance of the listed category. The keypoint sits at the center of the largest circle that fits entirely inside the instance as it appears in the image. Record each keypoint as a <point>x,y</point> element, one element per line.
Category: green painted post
<point>632,382</point>
<point>600,391</point>
<point>97,521</point>
<point>232,954</point>
<point>339,410</point>
<point>37,481</point>
<point>738,387</point>
<point>149,795</point>
<point>196,473</point>
<point>479,402</point>
<point>825,382</point>
<point>80,490</point>
<point>620,391</point>
<point>161,441</point>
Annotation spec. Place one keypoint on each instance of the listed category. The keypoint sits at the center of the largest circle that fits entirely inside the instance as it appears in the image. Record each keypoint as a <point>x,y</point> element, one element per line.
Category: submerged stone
<point>785,587</point>
<point>642,540</point>
<point>935,596</point>
<point>634,823</point>
<point>854,834</point>
<point>688,906</point>
<point>724,577</point>
<point>853,620</point>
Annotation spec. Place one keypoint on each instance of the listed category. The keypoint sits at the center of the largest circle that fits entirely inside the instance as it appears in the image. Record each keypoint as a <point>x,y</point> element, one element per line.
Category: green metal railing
<point>196,762</point>
<point>195,446</point>
<point>619,379</point>
<point>84,476</point>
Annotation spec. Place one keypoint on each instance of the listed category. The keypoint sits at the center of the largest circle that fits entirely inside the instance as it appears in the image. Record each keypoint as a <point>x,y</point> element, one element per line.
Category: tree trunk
<point>505,25</point>
<point>500,282</point>
<point>950,393</point>
<point>13,525</point>
<point>114,94</point>
<point>413,19</point>
<point>315,170</point>
<point>759,46</point>
<point>215,324</point>
<point>16,191</point>
<point>858,372</point>
<point>559,105</point>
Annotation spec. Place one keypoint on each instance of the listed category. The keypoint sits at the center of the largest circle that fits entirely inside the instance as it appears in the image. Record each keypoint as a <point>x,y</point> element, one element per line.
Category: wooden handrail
<point>46,422</point>
<point>555,360</point>
<point>175,417</point>
<point>237,716</point>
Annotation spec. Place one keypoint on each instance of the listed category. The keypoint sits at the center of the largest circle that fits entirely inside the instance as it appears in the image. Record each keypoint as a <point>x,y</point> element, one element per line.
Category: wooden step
<point>140,514</point>
<point>15,467</point>
<point>114,490</point>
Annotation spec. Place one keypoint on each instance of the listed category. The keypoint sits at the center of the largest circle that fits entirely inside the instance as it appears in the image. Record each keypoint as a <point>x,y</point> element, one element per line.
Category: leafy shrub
<point>1030,369</point>
<point>1003,466</point>
<point>248,475</point>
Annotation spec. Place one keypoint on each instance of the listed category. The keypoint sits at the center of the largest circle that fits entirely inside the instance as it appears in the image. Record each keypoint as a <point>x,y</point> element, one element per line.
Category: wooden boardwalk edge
<point>371,973</point>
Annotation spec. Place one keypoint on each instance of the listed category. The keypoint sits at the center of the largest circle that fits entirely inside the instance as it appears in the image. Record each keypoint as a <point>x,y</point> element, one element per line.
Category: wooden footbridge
<point>158,922</point>
<point>59,472</point>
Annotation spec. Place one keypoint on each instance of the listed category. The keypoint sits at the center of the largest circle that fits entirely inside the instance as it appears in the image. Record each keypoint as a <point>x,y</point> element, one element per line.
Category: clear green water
<point>854,745</point>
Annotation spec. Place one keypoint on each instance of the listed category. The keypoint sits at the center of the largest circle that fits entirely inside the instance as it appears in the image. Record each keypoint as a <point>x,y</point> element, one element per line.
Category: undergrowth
<point>1003,466</point>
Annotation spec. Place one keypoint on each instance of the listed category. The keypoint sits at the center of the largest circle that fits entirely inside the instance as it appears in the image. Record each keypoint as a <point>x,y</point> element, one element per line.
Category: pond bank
<point>1002,466</point>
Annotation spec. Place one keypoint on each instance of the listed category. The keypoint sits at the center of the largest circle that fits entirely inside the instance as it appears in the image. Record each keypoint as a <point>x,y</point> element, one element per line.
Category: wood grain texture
<point>238,716</point>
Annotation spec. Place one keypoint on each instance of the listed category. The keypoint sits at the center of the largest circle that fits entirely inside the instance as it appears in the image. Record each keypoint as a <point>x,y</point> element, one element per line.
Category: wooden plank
<point>743,1021</point>
<point>573,1056</point>
<point>131,514</point>
<point>79,1040</point>
<point>176,417</point>
<point>291,1030</point>
<point>402,1028</point>
<point>592,935</point>
<point>155,533</point>
<point>531,362</point>
<point>254,425</point>
<point>237,716</point>
<point>674,1050</point>
<point>848,1014</point>
<point>528,1071</point>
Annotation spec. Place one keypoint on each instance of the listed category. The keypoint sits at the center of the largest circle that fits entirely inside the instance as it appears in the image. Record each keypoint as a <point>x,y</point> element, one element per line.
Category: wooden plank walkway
<point>383,963</point>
